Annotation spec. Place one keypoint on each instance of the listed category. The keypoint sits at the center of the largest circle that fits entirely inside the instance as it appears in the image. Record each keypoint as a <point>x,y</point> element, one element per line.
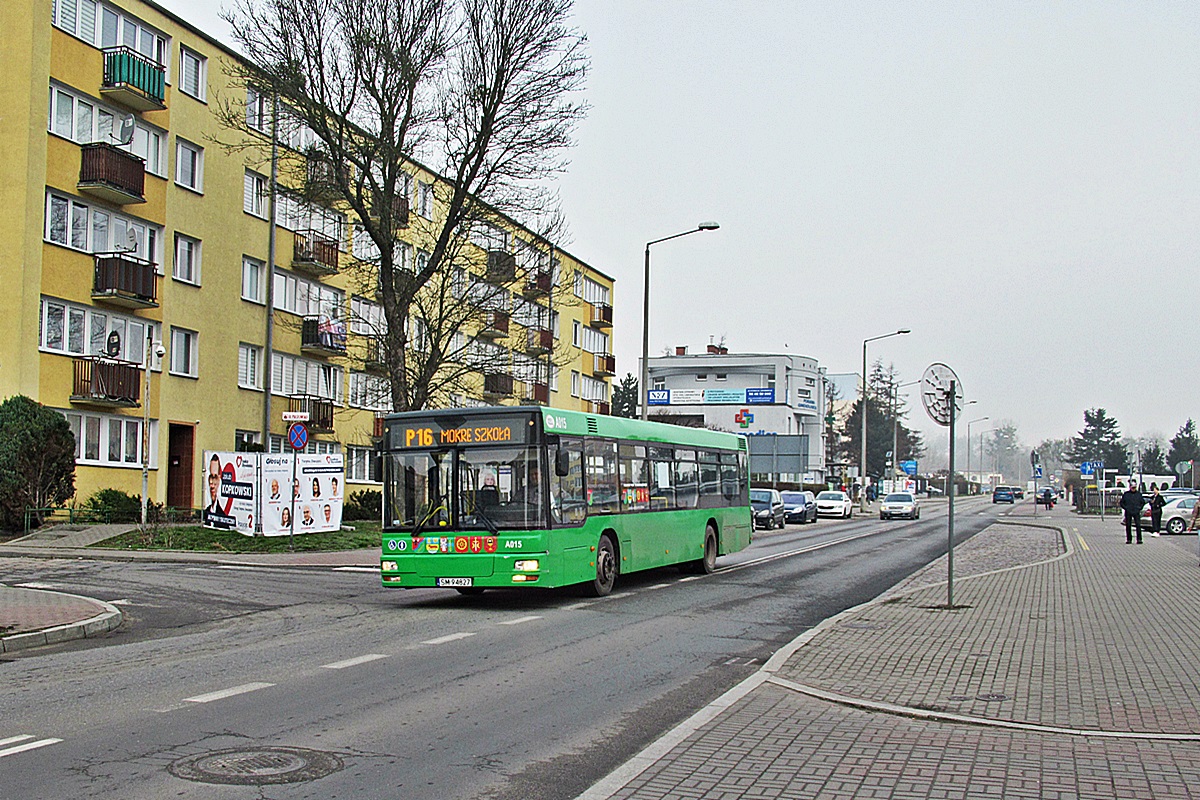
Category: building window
<point>659,383</point>
<point>254,195</point>
<point>192,69</point>
<point>256,110</point>
<point>721,376</point>
<point>184,352</point>
<point>246,441</point>
<point>189,165</point>
<point>253,272</point>
<point>107,440</point>
<point>370,391</point>
<point>83,227</point>
<point>187,259</point>
<point>590,291</point>
<point>703,376</point>
<point>84,331</point>
<point>83,120</point>
<point>305,297</point>
<point>575,383</point>
<point>105,26</point>
<point>279,445</point>
<point>425,199</point>
<point>360,465</point>
<point>292,376</point>
<point>249,366</point>
<point>366,318</point>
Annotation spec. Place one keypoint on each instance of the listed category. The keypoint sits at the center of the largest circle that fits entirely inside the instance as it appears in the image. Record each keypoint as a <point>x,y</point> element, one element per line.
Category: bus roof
<point>561,421</point>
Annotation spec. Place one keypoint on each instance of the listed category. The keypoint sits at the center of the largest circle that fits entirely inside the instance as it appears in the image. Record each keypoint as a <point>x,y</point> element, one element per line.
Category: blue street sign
<point>297,435</point>
<point>909,467</point>
<point>1037,473</point>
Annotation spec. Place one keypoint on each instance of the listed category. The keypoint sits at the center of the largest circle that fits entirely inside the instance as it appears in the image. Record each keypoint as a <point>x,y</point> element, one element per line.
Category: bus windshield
<point>477,488</point>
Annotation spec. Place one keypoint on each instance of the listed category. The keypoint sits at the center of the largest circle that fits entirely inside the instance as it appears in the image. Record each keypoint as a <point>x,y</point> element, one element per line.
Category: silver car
<point>900,504</point>
<point>1177,513</point>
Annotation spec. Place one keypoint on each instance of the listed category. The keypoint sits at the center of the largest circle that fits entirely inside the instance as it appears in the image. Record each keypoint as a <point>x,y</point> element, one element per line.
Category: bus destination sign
<point>458,431</point>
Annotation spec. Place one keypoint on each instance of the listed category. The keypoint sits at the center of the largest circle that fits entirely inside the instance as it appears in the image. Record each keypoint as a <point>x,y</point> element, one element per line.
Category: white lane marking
<point>222,694</point>
<point>767,559</point>
<point>124,601</point>
<point>354,662</point>
<point>519,621</point>
<point>14,739</point>
<point>691,578</point>
<point>452,637</point>
<point>658,586</point>
<point>577,606</point>
<point>39,585</point>
<point>357,569</point>
<point>21,748</point>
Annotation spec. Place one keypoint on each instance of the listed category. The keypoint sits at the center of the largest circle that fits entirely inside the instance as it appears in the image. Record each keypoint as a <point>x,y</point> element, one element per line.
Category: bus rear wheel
<point>708,564</point>
<point>606,567</point>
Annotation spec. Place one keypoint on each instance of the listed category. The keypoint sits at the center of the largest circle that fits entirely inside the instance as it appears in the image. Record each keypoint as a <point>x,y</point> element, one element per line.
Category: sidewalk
<point>1074,677</point>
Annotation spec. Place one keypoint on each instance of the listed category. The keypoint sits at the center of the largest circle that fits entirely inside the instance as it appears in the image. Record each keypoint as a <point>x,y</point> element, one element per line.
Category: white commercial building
<point>758,394</point>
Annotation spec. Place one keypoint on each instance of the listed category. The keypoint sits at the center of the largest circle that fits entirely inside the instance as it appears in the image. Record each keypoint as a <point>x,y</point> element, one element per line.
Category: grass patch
<point>196,539</point>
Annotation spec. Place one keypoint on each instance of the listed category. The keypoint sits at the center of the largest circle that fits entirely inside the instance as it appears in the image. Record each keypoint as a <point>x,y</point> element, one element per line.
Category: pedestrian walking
<point>1157,501</point>
<point>1195,517</point>
<point>1132,503</point>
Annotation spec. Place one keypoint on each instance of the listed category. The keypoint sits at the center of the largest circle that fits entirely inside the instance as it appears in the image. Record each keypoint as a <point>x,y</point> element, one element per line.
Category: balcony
<point>320,411</point>
<point>537,393</point>
<point>108,172</point>
<point>375,357</point>
<point>315,254</point>
<point>501,266</point>
<point>598,407</point>
<point>324,179</point>
<point>133,80</point>
<point>495,325</point>
<point>106,382</point>
<point>602,315</point>
<point>604,364</point>
<point>400,211</point>
<point>323,335</point>
<point>539,342</point>
<point>496,386</point>
<point>125,280</point>
<point>538,284</point>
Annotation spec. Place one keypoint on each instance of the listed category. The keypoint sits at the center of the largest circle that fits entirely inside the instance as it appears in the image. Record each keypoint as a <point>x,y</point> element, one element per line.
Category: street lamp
<point>862,464</point>
<point>644,386</point>
<point>969,424</point>
<point>152,349</point>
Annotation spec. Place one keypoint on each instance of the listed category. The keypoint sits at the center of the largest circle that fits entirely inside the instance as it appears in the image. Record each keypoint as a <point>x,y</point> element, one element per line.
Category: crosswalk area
<point>22,743</point>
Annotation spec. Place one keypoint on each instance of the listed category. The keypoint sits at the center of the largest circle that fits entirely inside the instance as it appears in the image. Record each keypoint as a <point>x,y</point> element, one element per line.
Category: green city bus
<point>478,498</point>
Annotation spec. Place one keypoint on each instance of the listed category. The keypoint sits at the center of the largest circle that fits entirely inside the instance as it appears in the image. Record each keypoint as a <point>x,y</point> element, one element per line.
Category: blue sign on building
<point>909,467</point>
<point>658,397</point>
<point>760,395</point>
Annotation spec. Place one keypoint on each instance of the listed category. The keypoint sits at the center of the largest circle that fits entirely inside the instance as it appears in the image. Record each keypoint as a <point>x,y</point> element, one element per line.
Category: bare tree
<point>479,91</point>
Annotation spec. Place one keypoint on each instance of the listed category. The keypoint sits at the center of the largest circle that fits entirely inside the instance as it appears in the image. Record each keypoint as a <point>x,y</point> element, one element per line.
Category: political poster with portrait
<point>276,489</point>
<point>230,481</point>
<point>320,479</point>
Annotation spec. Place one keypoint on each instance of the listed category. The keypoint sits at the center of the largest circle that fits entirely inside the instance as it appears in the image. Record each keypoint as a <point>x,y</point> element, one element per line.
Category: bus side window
<point>730,489</point>
<point>710,480</point>
<point>635,479</point>
<point>601,459</point>
<point>687,479</point>
<point>662,479</point>
<point>567,504</point>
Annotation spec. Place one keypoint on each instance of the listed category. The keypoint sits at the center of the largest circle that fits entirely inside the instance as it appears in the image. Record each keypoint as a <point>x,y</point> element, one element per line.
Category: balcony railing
<point>315,253</point>
<point>497,385</point>
<point>378,427</point>
<point>602,315</point>
<point>538,393</point>
<point>320,411</point>
<point>538,284</point>
<point>604,364</point>
<point>125,280</point>
<point>324,179</point>
<point>133,80</point>
<point>501,266</point>
<point>323,335</point>
<point>375,356</point>
<point>495,325</point>
<point>540,341</point>
<point>598,407</point>
<point>111,174</point>
<point>106,382</point>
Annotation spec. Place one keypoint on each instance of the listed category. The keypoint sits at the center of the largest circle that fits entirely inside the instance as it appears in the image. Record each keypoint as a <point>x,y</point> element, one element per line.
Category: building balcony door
<point>180,457</point>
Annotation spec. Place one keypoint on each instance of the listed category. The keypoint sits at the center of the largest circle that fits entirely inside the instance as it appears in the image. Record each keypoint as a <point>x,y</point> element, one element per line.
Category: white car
<point>834,504</point>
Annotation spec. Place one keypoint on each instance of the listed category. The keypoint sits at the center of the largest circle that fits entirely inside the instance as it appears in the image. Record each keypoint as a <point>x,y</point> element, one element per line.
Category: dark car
<point>1003,494</point>
<point>768,508</point>
<point>1046,497</point>
<point>1018,492</point>
<point>799,507</point>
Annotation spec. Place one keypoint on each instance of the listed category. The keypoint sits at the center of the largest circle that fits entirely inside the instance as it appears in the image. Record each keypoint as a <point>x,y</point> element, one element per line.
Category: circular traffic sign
<point>935,392</point>
<point>297,435</point>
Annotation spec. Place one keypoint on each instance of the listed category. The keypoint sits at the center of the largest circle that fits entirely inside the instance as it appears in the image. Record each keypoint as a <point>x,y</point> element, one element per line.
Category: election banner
<point>255,493</point>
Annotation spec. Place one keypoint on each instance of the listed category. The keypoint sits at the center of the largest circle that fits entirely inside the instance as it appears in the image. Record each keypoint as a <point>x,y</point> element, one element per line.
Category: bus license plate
<point>454,581</point>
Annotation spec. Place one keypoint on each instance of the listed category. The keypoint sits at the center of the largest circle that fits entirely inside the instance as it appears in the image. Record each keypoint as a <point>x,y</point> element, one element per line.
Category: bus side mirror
<point>562,463</point>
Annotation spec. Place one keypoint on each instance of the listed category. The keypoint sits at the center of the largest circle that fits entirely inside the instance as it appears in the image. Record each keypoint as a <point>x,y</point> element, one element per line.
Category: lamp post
<point>152,350</point>
<point>862,464</point>
<point>644,387</point>
<point>969,424</point>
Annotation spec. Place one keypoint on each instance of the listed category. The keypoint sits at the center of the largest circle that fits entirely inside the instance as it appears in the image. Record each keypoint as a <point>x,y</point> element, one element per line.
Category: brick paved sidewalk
<point>34,617</point>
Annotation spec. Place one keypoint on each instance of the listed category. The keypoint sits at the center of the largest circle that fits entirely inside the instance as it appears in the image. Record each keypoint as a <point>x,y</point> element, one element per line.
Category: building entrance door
<point>180,457</point>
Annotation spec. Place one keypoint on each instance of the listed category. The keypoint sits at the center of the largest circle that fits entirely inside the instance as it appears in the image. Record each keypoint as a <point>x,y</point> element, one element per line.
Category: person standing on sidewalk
<point>1132,503</point>
<point>1157,501</point>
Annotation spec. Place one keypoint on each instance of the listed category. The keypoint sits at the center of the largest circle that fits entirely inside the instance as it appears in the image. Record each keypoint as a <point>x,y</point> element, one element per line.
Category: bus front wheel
<point>606,567</point>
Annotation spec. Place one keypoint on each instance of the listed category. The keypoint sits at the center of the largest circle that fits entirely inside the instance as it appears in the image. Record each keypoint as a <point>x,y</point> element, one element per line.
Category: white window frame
<point>590,291</point>
<point>182,147</point>
<point>257,114</point>
<point>366,317</point>
<point>85,120</point>
<point>93,435</point>
<point>254,272</point>
<point>186,266</point>
<point>292,375</point>
<point>149,42</point>
<point>188,57</point>
<point>73,330</point>
<point>98,233</point>
<point>359,462</point>
<point>305,297</point>
<point>425,199</point>
<point>369,391</point>
<point>254,194</point>
<point>185,347</point>
<point>249,366</point>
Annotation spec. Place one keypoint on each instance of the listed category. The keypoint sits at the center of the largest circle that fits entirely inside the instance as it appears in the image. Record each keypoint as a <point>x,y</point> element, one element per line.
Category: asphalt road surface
<point>252,675</point>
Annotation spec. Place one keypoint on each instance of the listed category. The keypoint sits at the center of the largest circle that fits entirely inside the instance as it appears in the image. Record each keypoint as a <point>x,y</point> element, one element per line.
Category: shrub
<point>37,460</point>
<point>367,504</point>
<point>113,505</point>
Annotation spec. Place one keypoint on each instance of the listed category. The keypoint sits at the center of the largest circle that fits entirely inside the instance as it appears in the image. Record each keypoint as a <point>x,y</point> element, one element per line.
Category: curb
<point>109,619</point>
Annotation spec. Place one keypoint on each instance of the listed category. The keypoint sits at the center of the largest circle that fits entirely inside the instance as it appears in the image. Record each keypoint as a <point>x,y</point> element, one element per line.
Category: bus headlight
<point>390,566</point>
<point>528,565</point>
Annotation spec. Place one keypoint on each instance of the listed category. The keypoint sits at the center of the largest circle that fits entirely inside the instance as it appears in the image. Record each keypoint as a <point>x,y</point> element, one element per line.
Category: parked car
<point>1003,494</point>
<point>834,504</point>
<point>768,508</point>
<point>1046,497</point>
<point>900,504</point>
<point>1177,513</point>
<point>1018,492</point>
<point>799,507</point>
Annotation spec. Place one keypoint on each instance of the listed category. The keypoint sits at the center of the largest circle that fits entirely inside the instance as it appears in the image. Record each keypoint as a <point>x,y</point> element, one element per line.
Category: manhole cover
<point>991,697</point>
<point>257,767</point>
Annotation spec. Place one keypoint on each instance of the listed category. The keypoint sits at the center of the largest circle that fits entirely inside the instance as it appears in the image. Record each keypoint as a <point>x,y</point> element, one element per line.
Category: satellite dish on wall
<point>131,242</point>
<point>125,131</point>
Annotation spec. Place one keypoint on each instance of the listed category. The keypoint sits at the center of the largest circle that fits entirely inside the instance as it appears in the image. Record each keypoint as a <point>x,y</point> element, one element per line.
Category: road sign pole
<point>950,525</point>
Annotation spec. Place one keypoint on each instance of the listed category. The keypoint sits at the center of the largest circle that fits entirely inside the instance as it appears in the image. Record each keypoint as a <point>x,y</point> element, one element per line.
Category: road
<point>419,694</point>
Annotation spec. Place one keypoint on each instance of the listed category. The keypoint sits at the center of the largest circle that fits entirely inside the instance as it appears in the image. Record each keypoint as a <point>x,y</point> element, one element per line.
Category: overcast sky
<point>1018,183</point>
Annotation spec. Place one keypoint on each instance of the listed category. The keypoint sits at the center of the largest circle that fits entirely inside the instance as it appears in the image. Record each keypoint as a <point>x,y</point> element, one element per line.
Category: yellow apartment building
<point>142,302</point>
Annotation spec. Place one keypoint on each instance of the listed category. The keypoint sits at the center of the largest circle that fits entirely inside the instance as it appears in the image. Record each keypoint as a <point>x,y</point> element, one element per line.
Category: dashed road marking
<point>230,692</point>
<point>450,637</point>
<point>1082,542</point>
<point>519,621</point>
<point>39,585</point>
<point>357,569</point>
<point>577,606</point>
<point>354,662</point>
<point>25,744</point>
